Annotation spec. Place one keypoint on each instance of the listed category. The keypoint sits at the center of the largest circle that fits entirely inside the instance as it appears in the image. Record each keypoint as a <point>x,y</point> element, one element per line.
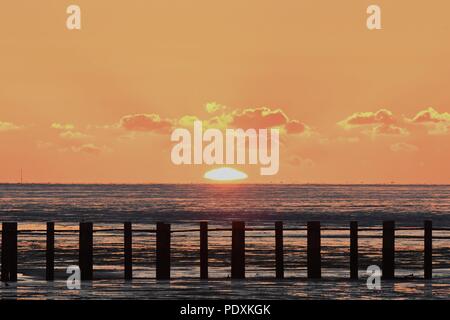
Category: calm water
<point>185,203</point>
<point>259,205</point>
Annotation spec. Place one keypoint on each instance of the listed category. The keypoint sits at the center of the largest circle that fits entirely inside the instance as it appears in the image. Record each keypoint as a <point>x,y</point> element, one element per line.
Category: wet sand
<point>227,289</point>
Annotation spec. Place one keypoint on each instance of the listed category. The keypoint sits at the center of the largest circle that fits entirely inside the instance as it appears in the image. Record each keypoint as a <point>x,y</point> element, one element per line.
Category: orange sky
<point>97,105</point>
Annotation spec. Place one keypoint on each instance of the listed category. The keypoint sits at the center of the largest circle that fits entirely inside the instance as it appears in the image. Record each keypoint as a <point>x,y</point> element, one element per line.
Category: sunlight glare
<point>225,174</point>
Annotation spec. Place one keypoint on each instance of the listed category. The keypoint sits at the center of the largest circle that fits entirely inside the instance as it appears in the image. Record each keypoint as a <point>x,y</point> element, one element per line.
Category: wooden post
<point>428,249</point>
<point>86,250</point>
<point>203,250</point>
<point>128,250</point>
<point>354,250</point>
<point>388,264</point>
<point>279,250</point>
<point>162,251</point>
<point>50,252</point>
<point>313,250</point>
<point>9,252</point>
<point>238,250</point>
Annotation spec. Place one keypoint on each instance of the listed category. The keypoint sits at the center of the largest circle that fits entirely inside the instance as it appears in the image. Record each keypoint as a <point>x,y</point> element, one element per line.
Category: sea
<point>108,206</point>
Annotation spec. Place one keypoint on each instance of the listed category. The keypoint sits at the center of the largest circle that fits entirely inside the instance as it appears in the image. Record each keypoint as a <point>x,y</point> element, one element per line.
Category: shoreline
<point>225,289</point>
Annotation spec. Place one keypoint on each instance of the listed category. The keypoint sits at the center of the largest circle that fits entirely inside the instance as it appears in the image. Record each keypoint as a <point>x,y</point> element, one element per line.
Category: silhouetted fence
<point>163,249</point>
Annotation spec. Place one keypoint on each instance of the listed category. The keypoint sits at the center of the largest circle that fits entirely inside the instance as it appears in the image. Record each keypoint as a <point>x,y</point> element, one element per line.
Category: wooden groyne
<point>9,248</point>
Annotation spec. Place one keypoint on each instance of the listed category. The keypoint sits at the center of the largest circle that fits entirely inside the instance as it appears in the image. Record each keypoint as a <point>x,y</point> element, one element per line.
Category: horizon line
<point>227,183</point>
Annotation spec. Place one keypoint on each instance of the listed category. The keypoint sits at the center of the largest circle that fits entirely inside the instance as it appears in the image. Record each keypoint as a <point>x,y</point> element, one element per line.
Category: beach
<point>108,206</point>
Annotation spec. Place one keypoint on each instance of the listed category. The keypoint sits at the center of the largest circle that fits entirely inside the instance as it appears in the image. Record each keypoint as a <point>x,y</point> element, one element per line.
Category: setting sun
<point>225,174</point>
